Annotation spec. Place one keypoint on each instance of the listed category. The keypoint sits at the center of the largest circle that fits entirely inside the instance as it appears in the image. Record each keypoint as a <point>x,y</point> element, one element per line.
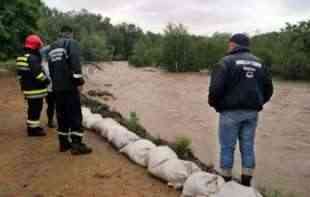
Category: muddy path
<point>34,167</point>
<point>172,105</point>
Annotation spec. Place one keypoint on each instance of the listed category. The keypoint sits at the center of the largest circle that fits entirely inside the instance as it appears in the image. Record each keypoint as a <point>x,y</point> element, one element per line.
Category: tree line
<point>286,52</point>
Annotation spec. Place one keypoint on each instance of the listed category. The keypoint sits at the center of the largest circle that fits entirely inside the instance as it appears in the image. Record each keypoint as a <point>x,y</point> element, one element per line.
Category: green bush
<point>133,124</point>
<point>94,47</point>
<point>182,146</point>
<point>145,53</point>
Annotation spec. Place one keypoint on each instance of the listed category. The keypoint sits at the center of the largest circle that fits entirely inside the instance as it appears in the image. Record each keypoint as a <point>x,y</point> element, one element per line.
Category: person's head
<point>238,40</point>
<point>33,42</point>
<point>66,31</point>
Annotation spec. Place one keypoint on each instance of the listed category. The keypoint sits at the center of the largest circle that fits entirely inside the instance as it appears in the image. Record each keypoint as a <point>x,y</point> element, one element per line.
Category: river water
<point>174,105</point>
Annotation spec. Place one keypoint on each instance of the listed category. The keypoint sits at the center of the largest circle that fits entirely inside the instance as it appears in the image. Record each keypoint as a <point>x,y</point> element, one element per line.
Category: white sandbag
<point>233,189</point>
<point>120,136</point>
<point>202,184</point>
<point>138,151</point>
<point>104,125</point>
<point>86,111</point>
<point>175,171</point>
<point>159,155</point>
<point>89,121</point>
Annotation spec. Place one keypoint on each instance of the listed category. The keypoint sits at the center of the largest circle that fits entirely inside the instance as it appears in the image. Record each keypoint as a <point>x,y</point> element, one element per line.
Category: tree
<point>18,19</point>
<point>177,49</point>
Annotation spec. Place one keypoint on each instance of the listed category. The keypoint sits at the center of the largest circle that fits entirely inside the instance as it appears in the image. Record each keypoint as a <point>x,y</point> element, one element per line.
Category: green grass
<point>274,193</point>
<point>182,146</point>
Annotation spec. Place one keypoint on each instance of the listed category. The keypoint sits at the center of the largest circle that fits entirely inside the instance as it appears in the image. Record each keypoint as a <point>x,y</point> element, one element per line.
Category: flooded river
<point>172,105</point>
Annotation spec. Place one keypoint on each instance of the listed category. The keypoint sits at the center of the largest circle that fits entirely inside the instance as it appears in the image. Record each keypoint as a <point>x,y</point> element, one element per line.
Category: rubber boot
<point>79,148</point>
<point>227,178</point>
<point>36,132</point>
<point>246,180</point>
<point>64,143</point>
<point>51,124</point>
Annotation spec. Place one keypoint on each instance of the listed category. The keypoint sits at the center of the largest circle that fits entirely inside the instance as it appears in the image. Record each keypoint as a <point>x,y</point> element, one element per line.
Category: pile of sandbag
<point>138,151</point>
<point>233,189</point>
<point>163,162</point>
<point>202,184</point>
<point>108,128</point>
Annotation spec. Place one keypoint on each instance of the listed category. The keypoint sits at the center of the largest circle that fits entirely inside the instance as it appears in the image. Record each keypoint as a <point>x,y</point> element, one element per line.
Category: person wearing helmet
<point>240,86</point>
<point>33,83</point>
<point>66,74</point>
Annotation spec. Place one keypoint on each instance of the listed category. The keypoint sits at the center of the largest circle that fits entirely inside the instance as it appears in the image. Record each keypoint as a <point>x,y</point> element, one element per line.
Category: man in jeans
<point>240,86</point>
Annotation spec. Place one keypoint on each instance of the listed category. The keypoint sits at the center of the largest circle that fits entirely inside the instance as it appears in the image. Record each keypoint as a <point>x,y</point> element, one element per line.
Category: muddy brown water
<point>173,105</point>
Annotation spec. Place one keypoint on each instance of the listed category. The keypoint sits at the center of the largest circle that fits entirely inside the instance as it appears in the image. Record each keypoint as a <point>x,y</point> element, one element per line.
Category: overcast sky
<point>199,16</point>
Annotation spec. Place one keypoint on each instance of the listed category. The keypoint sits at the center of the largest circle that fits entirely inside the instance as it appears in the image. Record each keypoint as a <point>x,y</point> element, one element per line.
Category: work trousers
<point>69,116</point>
<point>51,105</point>
<point>34,112</point>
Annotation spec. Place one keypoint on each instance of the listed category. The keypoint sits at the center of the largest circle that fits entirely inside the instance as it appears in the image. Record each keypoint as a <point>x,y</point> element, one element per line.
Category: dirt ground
<point>34,168</point>
<point>172,105</point>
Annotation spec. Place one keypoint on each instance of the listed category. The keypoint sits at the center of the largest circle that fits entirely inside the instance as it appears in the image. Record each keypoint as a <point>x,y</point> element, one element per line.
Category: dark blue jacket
<point>240,82</point>
<point>32,79</point>
<point>64,65</point>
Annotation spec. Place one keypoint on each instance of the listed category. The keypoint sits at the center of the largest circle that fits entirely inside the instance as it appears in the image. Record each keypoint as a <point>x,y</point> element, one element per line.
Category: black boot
<point>51,124</point>
<point>246,180</point>
<point>36,132</point>
<point>64,144</point>
<point>227,178</point>
<point>80,149</point>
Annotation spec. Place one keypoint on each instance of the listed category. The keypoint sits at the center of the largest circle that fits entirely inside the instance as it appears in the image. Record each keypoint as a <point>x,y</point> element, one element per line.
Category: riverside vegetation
<point>176,50</point>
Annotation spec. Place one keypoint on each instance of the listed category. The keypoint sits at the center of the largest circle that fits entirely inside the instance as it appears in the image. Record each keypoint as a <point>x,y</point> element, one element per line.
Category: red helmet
<point>33,42</point>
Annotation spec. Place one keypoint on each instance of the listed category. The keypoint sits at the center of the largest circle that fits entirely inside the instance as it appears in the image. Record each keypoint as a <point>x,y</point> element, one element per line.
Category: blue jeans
<point>236,125</point>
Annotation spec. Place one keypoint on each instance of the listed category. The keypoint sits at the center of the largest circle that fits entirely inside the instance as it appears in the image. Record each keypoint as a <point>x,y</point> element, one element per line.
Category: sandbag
<point>138,151</point>
<point>86,111</point>
<point>91,120</point>
<point>202,184</point>
<point>233,189</point>
<point>159,155</point>
<point>120,136</point>
<point>104,125</point>
<point>175,171</point>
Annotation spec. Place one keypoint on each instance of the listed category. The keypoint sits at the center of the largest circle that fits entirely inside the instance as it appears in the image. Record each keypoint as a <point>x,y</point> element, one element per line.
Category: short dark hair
<point>241,39</point>
<point>66,29</point>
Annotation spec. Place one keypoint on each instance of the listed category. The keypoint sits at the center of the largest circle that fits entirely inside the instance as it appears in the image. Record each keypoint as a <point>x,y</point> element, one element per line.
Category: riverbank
<point>172,105</point>
<point>33,167</point>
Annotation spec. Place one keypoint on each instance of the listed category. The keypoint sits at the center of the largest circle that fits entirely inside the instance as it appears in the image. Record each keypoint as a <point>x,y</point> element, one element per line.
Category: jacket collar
<point>239,49</point>
<point>31,51</point>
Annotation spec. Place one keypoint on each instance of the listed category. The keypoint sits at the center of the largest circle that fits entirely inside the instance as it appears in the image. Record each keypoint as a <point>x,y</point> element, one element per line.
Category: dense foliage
<point>18,18</point>
<point>176,50</point>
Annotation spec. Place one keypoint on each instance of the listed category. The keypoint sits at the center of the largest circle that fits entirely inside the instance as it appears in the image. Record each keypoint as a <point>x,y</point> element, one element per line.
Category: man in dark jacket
<point>66,74</point>
<point>240,86</point>
<point>33,83</point>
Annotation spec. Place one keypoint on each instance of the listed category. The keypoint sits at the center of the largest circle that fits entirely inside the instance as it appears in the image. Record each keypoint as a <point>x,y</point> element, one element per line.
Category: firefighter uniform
<point>33,83</point>
<point>66,74</point>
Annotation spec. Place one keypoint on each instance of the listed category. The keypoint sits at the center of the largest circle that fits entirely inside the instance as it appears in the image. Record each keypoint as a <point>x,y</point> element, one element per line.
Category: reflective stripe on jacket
<point>31,77</point>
